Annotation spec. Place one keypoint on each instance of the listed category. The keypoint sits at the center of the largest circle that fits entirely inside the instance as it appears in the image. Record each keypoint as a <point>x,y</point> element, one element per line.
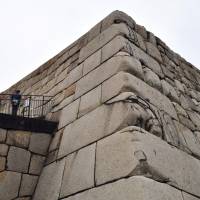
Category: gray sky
<point>33,31</point>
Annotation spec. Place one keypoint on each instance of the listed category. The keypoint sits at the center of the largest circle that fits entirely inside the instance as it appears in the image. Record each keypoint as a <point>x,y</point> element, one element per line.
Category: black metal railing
<point>31,106</point>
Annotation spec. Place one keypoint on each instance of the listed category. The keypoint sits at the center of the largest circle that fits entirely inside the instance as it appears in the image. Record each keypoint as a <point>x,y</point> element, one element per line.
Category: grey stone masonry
<point>128,110</point>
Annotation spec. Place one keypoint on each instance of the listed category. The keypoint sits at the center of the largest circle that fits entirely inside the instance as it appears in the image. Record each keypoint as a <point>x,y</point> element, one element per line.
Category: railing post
<point>29,108</point>
<point>42,105</point>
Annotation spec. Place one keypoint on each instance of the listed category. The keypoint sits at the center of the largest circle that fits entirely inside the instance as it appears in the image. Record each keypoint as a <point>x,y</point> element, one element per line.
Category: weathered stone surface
<point>195,117</point>
<point>73,76</point>
<point>106,70</point>
<point>187,196</point>
<point>92,62</point>
<point>114,46</point>
<point>102,39</point>
<point>3,150</point>
<point>2,135</point>
<point>9,185</point>
<point>79,171</point>
<point>152,79</point>
<point>102,121</point>
<point>28,185</point>
<point>69,114</point>
<point>147,155</point>
<point>180,110</point>
<point>24,198</point>
<point>139,188</point>
<point>90,101</point>
<point>36,164</point>
<point>49,183</point>
<point>39,143</point>
<point>117,17</point>
<point>2,163</point>
<point>18,159</point>
<point>18,138</point>
<point>169,91</point>
<point>153,51</point>
<point>122,82</point>
<point>55,142</point>
<point>192,144</point>
<point>144,58</point>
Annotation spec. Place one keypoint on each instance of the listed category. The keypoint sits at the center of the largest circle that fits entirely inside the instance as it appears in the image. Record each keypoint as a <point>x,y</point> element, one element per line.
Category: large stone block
<point>139,188</point>
<point>106,70</point>
<point>49,183</point>
<point>18,138</point>
<point>28,185</point>
<point>39,143</point>
<point>18,159</point>
<point>144,58</point>
<point>90,101</point>
<point>92,62</point>
<point>153,51</point>
<point>9,185</point>
<point>102,39</point>
<point>130,153</point>
<point>79,171</point>
<point>192,143</point>
<point>73,76</point>
<point>122,82</point>
<point>115,45</point>
<point>2,163</point>
<point>69,114</point>
<point>36,165</point>
<point>99,123</point>
<point>3,150</point>
<point>2,135</point>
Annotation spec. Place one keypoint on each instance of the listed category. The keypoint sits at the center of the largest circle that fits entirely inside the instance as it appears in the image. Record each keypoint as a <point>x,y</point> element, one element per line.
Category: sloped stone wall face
<point>129,117</point>
<point>22,157</point>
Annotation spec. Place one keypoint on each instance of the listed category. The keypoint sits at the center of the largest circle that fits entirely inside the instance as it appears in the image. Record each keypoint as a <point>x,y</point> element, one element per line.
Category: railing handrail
<point>28,95</point>
<point>37,105</point>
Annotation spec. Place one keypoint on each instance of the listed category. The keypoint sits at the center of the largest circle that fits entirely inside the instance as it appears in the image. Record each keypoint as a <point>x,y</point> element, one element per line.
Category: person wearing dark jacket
<point>15,101</point>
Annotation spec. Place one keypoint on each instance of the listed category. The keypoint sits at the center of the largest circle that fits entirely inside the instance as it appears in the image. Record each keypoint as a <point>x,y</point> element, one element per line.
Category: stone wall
<point>22,157</point>
<point>128,111</point>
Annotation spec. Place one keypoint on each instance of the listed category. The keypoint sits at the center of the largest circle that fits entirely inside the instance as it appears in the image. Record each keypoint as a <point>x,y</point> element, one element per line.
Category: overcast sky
<point>33,31</point>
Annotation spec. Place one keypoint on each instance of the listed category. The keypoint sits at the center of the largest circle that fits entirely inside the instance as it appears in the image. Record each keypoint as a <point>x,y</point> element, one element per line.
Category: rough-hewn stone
<point>147,155</point>
<point>28,185</point>
<point>89,101</point>
<point>126,82</point>
<point>18,138</point>
<point>49,183</point>
<point>2,135</point>
<point>106,70</point>
<point>139,188</point>
<point>9,185</point>
<point>102,121</point>
<point>39,143</point>
<point>36,164</point>
<point>18,159</point>
<point>79,171</point>
<point>3,150</point>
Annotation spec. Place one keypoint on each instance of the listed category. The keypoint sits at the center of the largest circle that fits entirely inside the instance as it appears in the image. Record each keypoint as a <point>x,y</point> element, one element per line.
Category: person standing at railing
<point>15,101</point>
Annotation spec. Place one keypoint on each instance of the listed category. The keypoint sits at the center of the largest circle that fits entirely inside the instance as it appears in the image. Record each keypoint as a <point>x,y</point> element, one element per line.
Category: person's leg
<point>14,110</point>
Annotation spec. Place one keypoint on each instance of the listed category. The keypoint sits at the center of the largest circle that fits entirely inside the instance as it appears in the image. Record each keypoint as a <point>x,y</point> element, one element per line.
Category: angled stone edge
<point>133,152</point>
<point>125,82</point>
<point>106,70</point>
<point>139,188</point>
<point>102,39</point>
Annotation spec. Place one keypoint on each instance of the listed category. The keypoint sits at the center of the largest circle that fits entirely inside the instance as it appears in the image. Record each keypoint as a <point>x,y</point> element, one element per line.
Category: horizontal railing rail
<point>31,106</point>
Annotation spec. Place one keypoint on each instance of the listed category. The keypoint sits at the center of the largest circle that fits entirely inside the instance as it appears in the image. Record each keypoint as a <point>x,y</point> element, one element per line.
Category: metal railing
<point>31,106</point>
